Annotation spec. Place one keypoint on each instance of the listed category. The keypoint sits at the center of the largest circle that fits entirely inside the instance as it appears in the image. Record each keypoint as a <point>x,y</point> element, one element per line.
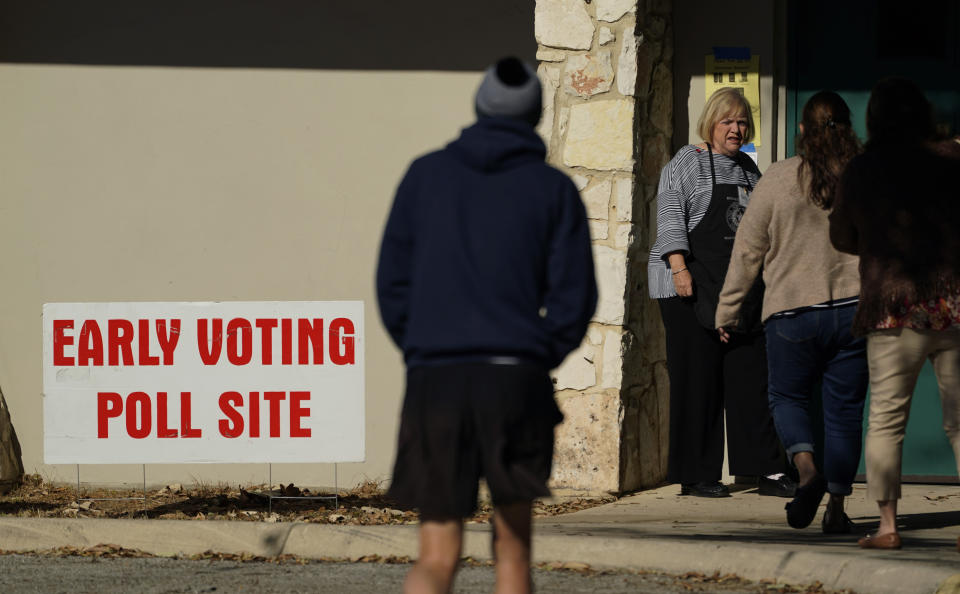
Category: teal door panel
<point>862,42</point>
<point>927,452</point>
<point>848,52</point>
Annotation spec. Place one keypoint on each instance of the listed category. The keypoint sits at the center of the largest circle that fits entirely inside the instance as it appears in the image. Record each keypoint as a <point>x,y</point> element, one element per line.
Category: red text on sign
<point>303,335</point>
<point>232,405</point>
<point>119,341</point>
<point>138,409</point>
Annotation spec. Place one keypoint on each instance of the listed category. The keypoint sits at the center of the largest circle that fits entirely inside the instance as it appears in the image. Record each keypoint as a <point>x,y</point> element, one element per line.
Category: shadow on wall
<point>696,35</point>
<point>362,35</point>
<point>879,40</point>
<point>11,460</point>
<point>848,52</point>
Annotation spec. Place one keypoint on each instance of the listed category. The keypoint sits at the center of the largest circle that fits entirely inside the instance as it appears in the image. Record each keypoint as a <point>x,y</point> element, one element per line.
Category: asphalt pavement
<point>32,574</point>
<point>654,530</point>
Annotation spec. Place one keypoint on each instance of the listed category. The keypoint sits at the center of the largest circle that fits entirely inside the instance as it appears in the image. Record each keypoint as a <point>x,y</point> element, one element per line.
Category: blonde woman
<point>703,192</point>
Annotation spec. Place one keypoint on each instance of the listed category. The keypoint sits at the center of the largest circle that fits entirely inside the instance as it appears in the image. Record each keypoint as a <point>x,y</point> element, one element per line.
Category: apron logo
<point>735,208</point>
<point>734,214</point>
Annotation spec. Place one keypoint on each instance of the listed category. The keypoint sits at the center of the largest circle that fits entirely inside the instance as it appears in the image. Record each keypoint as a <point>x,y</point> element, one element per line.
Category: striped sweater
<point>682,200</point>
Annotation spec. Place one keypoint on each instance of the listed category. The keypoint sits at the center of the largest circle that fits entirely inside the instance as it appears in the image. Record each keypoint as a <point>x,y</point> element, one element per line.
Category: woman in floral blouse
<point>898,207</point>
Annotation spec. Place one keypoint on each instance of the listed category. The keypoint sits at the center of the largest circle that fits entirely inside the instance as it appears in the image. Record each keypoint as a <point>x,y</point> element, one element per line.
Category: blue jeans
<point>804,349</point>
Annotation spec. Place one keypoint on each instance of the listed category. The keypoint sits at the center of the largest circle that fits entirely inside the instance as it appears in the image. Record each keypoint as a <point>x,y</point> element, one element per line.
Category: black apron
<point>711,244</point>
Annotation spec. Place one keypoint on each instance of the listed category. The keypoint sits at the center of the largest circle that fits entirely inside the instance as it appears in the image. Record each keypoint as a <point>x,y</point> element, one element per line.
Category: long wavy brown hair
<point>826,145</point>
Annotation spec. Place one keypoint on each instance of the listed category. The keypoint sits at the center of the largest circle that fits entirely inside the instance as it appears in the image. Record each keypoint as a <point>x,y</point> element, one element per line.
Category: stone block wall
<point>645,388</point>
<point>605,68</point>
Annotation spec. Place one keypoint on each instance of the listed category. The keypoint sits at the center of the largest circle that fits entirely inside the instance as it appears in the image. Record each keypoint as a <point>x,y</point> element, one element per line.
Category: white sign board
<point>203,382</point>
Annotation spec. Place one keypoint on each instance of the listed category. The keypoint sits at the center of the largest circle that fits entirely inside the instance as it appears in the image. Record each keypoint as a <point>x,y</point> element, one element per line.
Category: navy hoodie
<point>486,253</point>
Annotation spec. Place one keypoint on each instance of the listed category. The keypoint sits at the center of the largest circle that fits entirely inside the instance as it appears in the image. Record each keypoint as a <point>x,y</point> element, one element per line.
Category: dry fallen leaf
<point>290,490</point>
<point>366,504</point>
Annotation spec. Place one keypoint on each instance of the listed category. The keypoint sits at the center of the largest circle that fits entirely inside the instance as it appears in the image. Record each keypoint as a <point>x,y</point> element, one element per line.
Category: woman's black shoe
<point>834,524</point>
<point>780,487</point>
<point>803,508</point>
<point>706,489</point>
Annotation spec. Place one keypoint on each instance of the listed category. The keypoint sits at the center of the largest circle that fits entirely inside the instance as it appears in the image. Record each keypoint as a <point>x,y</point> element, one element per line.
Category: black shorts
<point>464,421</point>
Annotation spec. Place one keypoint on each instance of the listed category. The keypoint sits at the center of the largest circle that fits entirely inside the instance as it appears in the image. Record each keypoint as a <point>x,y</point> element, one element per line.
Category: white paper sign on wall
<point>150,383</point>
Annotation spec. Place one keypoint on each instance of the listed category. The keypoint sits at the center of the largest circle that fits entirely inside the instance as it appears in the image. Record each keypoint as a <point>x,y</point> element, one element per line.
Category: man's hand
<point>724,335</point>
<point>683,282</point>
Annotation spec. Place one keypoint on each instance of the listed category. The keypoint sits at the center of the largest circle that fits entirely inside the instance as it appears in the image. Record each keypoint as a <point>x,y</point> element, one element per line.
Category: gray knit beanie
<point>510,89</point>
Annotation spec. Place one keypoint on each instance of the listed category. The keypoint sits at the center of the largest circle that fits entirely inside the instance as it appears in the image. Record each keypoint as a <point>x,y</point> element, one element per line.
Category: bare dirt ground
<point>365,504</point>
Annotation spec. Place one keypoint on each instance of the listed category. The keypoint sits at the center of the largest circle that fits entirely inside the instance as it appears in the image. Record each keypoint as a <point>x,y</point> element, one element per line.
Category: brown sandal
<point>890,540</point>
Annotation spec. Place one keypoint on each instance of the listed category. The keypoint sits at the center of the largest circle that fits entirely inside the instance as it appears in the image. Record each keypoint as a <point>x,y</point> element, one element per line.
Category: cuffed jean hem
<point>839,489</point>
<point>814,346</point>
<point>796,449</point>
<point>832,487</point>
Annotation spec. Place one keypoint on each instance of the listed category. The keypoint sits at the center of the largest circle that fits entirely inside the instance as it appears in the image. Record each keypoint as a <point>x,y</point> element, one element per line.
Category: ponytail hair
<point>826,145</point>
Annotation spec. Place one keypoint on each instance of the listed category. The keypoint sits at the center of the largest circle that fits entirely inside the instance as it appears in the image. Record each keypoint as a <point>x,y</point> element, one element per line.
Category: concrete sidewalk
<point>653,530</point>
<point>748,535</point>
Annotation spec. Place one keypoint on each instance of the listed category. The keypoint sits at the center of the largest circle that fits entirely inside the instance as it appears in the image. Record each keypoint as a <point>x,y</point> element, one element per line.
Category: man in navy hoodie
<point>486,282</point>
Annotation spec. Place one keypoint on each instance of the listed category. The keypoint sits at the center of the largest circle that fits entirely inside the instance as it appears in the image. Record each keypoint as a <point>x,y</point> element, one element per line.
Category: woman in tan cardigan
<point>808,308</point>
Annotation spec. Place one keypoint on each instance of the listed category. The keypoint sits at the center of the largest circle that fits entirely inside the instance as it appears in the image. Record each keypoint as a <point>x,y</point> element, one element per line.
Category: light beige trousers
<point>895,358</point>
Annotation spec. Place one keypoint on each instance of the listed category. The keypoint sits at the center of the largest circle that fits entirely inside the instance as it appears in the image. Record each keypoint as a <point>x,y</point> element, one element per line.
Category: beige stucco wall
<point>179,184</point>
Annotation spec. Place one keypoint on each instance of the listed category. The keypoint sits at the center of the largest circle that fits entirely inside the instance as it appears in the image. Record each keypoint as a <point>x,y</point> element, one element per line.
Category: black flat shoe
<point>781,487</point>
<point>705,489</point>
<point>803,508</point>
<point>833,524</point>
